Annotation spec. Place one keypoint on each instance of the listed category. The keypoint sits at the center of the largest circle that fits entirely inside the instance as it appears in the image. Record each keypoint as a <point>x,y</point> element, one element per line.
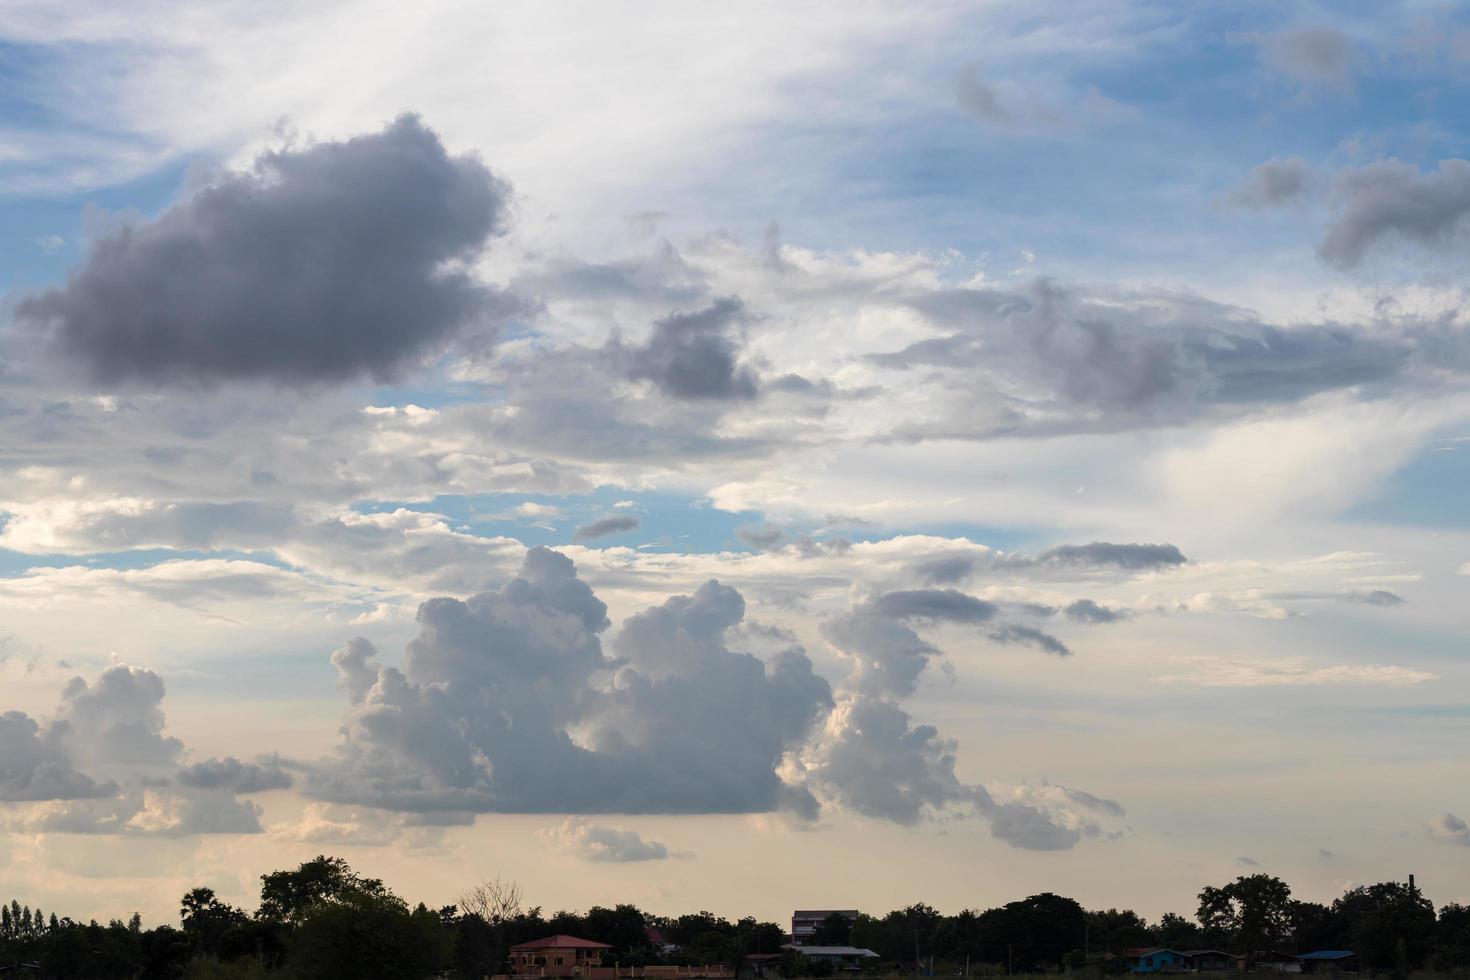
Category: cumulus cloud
<point>320,263</point>
<point>1392,200</point>
<point>1049,817</point>
<point>872,759</point>
<point>1275,182</point>
<point>598,844</point>
<point>1450,829</point>
<point>605,526</point>
<point>115,725</point>
<point>34,765</point>
<point>118,719</point>
<point>508,703</point>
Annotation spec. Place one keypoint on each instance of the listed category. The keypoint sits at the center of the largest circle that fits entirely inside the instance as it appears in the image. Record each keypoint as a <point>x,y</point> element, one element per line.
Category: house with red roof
<point>556,956</point>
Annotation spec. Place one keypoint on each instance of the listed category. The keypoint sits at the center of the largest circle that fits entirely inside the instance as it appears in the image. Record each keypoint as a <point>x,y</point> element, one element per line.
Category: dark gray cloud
<point>320,263</point>
<point>940,605</point>
<point>1392,200</point>
<point>693,355</point>
<point>236,776</point>
<point>612,524</point>
<point>1103,554</point>
<point>1088,611</point>
<point>1275,182</point>
<point>1030,636</point>
<point>480,718</point>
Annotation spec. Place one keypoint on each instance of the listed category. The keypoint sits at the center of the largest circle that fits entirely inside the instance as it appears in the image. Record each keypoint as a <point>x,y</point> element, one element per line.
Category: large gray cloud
<point>482,717</point>
<point>35,766</point>
<point>1395,200</point>
<point>325,262</point>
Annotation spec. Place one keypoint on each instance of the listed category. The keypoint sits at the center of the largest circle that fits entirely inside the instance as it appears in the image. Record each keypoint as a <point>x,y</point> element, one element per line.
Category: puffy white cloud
<point>508,703</point>
<point>592,842</point>
<point>115,725</point>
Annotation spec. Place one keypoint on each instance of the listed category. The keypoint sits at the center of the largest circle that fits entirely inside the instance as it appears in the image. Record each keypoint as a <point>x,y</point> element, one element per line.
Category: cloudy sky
<point>734,456</point>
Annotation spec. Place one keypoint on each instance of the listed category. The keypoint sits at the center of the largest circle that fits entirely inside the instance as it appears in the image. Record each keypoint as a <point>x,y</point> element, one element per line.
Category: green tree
<point>285,896</point>
<point>1177,932</point>
<point>367,935</point>
<point>1253,912</point>
<point>1380,916</point>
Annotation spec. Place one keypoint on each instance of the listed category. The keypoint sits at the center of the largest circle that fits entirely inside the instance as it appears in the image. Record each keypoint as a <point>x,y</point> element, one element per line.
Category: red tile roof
<point>560,942</point>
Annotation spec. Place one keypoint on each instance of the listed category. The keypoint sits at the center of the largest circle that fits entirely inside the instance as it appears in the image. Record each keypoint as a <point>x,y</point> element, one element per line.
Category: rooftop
<point>560,942</point>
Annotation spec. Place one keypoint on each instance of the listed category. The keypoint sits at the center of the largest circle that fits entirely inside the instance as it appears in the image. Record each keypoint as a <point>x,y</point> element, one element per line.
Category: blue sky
<point>1086,381</point>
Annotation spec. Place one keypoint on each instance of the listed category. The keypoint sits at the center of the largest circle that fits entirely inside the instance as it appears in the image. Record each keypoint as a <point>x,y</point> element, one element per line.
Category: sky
<point>739,457</point>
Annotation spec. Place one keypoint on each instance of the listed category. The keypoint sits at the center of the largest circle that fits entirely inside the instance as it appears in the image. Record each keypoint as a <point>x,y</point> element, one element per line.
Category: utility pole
<point>918,963</point>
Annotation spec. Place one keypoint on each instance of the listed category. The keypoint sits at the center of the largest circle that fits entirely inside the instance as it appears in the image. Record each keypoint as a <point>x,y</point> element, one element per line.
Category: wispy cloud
<point>1220,672</point>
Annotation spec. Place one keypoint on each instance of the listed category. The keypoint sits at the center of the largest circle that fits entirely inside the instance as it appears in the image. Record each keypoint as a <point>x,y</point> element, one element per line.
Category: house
<point>1209,960</point>
<point>844,959</point>
<point>1330,961</point>
<point>1158,959</point>
<point>556,956</point>
<point>804,922</point>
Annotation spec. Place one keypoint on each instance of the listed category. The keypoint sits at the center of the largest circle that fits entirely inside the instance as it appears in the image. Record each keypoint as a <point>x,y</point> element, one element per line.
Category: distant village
<point>324,920</point>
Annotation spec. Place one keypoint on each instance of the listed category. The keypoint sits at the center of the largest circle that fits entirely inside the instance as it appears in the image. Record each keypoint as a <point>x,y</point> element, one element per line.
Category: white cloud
<point>591,842</point>
<point>1219,672</point>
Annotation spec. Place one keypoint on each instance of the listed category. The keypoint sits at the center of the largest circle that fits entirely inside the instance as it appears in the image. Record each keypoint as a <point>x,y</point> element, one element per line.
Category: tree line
<point>323,921</point>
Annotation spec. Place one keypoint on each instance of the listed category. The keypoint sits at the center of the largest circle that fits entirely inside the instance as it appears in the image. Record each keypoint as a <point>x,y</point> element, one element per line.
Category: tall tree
<point>1253,912</point>
<point>1383,915</point>
<point>285,896</point>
